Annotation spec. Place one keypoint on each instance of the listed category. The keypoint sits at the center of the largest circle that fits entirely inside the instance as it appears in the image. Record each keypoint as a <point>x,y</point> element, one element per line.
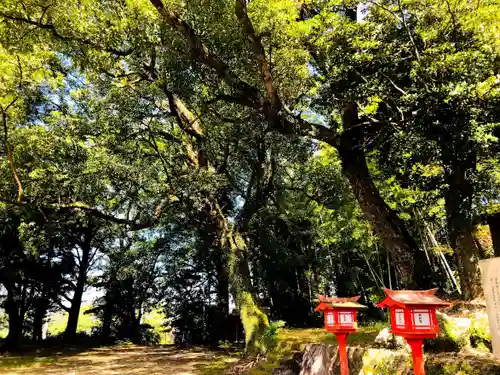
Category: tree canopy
<point>242,156</point>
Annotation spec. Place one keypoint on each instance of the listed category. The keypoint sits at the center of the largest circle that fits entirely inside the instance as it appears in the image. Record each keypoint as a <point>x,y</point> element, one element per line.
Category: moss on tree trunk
<point>254,320</point>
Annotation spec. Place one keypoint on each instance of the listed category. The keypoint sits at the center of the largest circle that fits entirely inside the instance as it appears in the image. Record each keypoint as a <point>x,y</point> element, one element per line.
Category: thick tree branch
<point>66,297</point>
<point>96,213</point>
<point>260,56</point>
<point>301,127</point>
<point>62,306</point>
<point>246,94</point>
<point>188,122</point>
<point>199,52</point>
<point>133,225</point>
<point>190,125</point>
<point>273,108</point>
<point>71,284</point>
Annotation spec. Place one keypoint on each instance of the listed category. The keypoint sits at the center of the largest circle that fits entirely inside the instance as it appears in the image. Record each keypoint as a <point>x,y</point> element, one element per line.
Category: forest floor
<point>161,359</point>
<point>127,359</point>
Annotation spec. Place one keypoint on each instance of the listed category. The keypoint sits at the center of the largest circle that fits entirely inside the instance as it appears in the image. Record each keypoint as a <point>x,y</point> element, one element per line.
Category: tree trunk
<point>13,338</point>
<point>494,224</point>
<point>384,221</point>
<point>37,329</point>
<point>106,319</point>
<point>134,320</point>
<point>482,250</point>
<point>73,314</point>
<point>467,262</point>
<point>39,318</point>
<point>211,248</point>
<point>76,301</point>
<point>458,201</point>
<point>12,341</point>
<point>254,320</point>
<point>222,297</point>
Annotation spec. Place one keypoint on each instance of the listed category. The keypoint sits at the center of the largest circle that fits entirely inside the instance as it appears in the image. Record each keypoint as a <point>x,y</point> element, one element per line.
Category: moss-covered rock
<point>454,335</point>
<point>479,332</point>
<point>458,333</point>
<point>365,360</point>
<point>462,364</point>
<point>371,361</point>
<point>386,339</point>
<point>384,362</point>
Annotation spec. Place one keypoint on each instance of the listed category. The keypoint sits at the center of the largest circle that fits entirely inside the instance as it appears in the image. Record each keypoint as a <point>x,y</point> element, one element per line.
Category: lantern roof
<point>404,298</point>
<point>338,299</point>
<point>338,303</point>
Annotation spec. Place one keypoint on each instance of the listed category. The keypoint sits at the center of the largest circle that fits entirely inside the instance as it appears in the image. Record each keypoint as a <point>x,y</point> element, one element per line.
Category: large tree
<point>165,115</point>
<point>246,83</point>
<point>427,70</point>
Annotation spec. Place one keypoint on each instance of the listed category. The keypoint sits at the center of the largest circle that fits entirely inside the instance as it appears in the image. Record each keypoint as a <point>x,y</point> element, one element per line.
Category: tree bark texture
<point>252,317</point>
<point>254,320</point>
<point>229,241</point>
<point>460,167</point>
<point>384,221</point>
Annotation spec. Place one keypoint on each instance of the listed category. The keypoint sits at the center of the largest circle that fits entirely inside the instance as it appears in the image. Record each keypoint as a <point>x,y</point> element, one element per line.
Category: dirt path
<point>129,360</point>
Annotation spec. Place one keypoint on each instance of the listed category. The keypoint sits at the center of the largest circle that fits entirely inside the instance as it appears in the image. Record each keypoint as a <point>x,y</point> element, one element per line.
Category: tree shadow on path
<point>127,359</point>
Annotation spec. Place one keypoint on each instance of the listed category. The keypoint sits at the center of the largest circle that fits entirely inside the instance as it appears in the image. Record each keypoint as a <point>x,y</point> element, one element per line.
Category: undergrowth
<point>292,340</point>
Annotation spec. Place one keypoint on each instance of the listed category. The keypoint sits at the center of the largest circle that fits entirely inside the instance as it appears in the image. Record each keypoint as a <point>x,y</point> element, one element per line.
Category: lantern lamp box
<point>340,314</point>
<point>413,312</point>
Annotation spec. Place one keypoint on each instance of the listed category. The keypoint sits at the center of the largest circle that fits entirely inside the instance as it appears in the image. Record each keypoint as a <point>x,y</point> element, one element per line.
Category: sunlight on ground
<point>132,360</point>
<point>150,360</point>
<point>300,337</point>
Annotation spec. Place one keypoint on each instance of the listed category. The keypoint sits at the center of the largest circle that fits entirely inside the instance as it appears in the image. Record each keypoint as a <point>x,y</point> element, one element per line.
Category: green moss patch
<point>446,364</point>
<point>454,335</point>
<point>479,332</point>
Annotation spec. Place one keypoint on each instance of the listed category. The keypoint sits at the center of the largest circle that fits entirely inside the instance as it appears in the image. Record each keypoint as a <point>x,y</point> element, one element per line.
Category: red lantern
<point>340,315</point>
<point>413,316</point>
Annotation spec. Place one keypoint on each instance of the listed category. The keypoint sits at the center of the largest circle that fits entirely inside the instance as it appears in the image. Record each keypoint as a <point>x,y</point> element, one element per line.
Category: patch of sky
<point>313,71</point>
<point>314,117</point>
<point>362,11</point>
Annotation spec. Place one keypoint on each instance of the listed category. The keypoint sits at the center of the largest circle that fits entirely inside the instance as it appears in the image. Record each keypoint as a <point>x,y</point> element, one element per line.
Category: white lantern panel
<point>329,318</point>
<point>346,318</point>
<point>400,318</point>
<point>421,319</point>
